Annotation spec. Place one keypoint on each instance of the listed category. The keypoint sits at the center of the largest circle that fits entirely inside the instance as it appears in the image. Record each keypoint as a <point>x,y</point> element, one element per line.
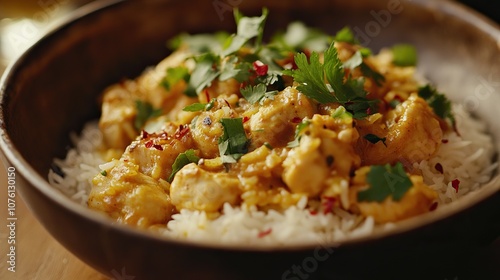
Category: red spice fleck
<point>151,144</point>
<point>296,120</point>
<point>227,103</point>
<point>158,147</point>
<point>444,141</point>
<point>434,206</point>
<point>369,111</point>
<point>439,167</point>
<point>144,134</point>
<point>260,68</point>
<point>207,95</point>
<point>264,233</point>
<point>455,184</point>
<point>182,131</point>
<point>328,204</point>
<point>245,119</point>
<point>313,212</point>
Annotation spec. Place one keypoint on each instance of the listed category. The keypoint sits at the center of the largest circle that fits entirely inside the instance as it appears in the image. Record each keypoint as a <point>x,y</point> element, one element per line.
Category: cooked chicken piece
<point>130,197</point>
<point>196,189</point>
<point>417,200</point>
<point>325,152</point>
<point>267,193</point>
<point>118,115</point>
<point>275,120</point>
<point>412,133</point>
<point>262,162</point>
<point>119,109</point>
<point>208,128</point>
<point>156,152</point>
<point>219,89</point>
<point>260,175</point>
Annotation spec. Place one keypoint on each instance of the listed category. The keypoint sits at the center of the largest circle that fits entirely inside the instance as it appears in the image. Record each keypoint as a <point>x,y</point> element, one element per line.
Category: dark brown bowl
<point>52,90</point>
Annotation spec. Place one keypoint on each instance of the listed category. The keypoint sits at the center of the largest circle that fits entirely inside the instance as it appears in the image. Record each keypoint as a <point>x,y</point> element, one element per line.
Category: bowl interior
<point>53,89</point>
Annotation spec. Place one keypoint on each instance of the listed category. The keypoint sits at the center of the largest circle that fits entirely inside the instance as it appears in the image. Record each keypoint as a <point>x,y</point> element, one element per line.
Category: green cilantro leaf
<point>254,94</point>
<point>298,36</point>
<point>203,74</point>
<point>298,134</point>
<point>195,107</point>
<point>175,75</point>
<point>404,55</point>
<point>182,160</point>
<point>341,113</point>
<point>200,43</point>
<point>247,28</point>
<point>346,35</point>
<point>438,102</point>
<point>384,181</point>
<point>374,139</point>
<point>233,143</point>
<point>310,77</point>
<point>145,111</point>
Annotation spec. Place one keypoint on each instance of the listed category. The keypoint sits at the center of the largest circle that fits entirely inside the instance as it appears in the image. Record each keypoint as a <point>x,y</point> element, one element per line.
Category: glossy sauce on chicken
<point>267,125</point>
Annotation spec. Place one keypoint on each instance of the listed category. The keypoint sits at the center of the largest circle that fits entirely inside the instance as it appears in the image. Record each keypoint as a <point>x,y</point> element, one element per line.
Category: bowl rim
<point>12,157</point>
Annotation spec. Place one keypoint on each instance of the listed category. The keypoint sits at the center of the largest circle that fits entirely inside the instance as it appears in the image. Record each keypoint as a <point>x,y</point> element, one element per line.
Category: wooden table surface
<point>38,255</point>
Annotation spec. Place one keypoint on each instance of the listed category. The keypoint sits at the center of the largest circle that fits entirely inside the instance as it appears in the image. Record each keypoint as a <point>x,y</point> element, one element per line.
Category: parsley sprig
<point>350,93</point>
<point>182,160</point>
<point>438,102</point>
<point>385,181</point>
<point>233,143</point>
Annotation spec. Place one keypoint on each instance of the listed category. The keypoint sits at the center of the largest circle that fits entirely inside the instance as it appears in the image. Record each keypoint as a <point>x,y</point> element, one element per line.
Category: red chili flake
<point>227,103</point>
<point>158,147</point>
<point>207,95</point>
<point>313,212</point>
<point>369,111</point>
<point>182,131</point>
<point>434,206</point>
<point>444,141</point>
<point>151,144</point>
<point>439,167</point>
<point>260,68</point>
<point>144,134</point>
<point>264,233</point>
<point>296,120</point>
<point>245,119</point>
<point>455,184</point>
<point>328,204</point>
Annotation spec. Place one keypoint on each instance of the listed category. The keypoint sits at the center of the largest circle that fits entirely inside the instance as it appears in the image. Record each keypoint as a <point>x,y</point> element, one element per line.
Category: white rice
<point>466,158</point>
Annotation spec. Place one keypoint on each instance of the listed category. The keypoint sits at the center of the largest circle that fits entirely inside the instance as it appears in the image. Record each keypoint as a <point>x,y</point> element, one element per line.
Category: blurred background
<point>23,21</point>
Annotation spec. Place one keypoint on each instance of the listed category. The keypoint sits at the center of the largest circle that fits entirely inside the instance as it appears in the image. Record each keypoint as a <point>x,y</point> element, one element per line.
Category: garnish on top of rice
<point>230,135</point>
